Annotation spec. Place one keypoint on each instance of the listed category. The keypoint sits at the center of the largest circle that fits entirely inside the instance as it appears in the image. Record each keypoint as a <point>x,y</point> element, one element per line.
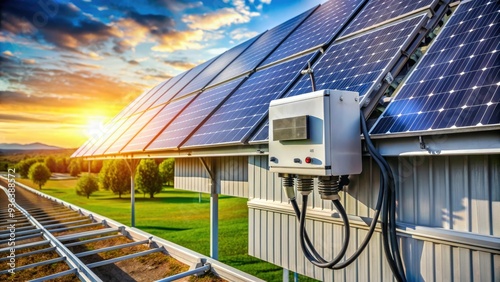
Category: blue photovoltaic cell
<point>377,11</point>
<point>246,107</point>
<point>254,55</point>
<point>162,93</point>
<point>204,78</point>
<point>262,134</point>
<point>181,83</point>
<point>127,131</point>
<point>357,64</point>
<point>456,83</point>
<point>154,127</point>
<point>132,107</point>
<point>192,116</point>
<point>109,132</point>
<point>317,29</point>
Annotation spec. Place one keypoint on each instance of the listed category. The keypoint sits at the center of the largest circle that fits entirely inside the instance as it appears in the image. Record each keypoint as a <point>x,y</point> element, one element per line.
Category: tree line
<point>114,175</point>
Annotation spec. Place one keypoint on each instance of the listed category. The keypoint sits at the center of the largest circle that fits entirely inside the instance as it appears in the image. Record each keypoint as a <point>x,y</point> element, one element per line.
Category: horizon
<point>68,67</point>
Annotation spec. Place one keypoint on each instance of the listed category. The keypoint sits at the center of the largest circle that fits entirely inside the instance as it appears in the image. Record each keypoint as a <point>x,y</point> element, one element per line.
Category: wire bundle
<point>386,204</point>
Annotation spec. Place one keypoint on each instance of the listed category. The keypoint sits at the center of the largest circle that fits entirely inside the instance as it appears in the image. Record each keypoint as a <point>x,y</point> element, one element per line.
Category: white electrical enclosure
<point>316,133</point>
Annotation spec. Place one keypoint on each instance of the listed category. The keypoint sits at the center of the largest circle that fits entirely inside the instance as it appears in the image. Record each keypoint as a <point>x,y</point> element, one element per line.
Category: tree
<point>39,173</point>
<point>96,166</point>
<point>115,176</point>
<point>167,171</point>
<point>50,162</point>
<point>23,167</point>
<point>147,178</point>
<point>61,165</point>
<point>74,168</point>
<point>86,185</point>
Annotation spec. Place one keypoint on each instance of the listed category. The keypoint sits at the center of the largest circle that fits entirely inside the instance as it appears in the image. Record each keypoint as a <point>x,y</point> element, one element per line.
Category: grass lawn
<point>177,216</point>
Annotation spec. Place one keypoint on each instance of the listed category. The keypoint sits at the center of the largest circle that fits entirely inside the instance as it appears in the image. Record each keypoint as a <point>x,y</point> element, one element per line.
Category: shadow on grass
<point>151,227</point>
<point>166,200</point>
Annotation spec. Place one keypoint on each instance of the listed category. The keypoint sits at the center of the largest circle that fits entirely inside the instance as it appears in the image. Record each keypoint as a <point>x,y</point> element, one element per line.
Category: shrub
<point>39,173</point>
<point>147,178</point>
<point>86,185</point>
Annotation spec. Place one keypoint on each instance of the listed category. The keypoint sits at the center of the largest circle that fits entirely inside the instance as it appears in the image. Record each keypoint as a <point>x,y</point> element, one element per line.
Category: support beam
<point>132,165</point>
<point>286,274</point>
<point>214,211</point>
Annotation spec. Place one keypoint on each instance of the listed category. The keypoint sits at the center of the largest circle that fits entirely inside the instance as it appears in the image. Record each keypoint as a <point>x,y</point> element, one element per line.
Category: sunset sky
<point>66,67</point>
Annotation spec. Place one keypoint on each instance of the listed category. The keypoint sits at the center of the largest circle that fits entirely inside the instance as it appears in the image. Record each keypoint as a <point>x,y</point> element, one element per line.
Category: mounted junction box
<point>315,134</point>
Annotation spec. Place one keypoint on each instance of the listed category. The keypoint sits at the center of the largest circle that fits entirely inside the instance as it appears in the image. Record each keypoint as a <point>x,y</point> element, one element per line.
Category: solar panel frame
<point>371,16</point>
<point>177,131</point>
<point>92,149</point>
<point>261,48</point>
<point>317,30</point>
<point>424,106</point>
<point>247,122</point>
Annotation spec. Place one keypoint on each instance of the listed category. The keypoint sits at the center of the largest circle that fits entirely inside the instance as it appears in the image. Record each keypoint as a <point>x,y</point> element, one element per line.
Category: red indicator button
<point>308,160</point>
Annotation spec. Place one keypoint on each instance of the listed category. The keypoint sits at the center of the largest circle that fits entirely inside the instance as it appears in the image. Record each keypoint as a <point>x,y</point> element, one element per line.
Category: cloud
<point>242,33</point>
<point>29,61</point>
<point>133,62</point>
<point>179,64</point>
<point>180,40</point>
<point>8,53</point>
<point>62,25</point>
<point>24,118</point>
<point>215,20</point>
<point>177,5</point>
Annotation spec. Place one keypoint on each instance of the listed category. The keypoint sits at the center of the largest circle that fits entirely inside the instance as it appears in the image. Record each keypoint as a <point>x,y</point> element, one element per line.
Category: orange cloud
<point>220,18</point>
<point>180,40</point>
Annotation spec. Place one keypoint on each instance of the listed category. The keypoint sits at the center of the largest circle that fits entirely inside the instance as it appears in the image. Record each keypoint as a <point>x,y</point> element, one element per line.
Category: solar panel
<point>109,132</point>
<point>377,11</point>
<point>261,48</point>
<point>126,132</point>
<point>154,127</point>
<point>317,29</point>
<point>132,107</point>
<point>188,77</point>
<point>194,115</point>
<point>358,63</point>
<point>204,78</point>
<point>246,107</point>
<point>456,83</point>
<point>162,93</point>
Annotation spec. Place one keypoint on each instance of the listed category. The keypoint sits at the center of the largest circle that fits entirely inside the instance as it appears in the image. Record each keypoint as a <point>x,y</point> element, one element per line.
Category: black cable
<point>390,244</point>
<point>319,261</point>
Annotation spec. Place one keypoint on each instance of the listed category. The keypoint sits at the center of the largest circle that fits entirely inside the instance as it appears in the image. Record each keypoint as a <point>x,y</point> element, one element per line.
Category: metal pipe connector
<point>305,184</point>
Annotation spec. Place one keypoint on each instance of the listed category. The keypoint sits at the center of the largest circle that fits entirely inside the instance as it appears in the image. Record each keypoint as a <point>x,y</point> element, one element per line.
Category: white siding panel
<point>452,192</point>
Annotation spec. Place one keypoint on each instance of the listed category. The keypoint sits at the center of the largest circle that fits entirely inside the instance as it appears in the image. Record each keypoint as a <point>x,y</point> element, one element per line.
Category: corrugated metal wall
<point>449,205</point>
<point>231,175</point>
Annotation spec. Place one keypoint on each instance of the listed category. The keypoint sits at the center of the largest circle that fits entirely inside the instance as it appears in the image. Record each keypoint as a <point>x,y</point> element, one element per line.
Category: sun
<point>95,127</point>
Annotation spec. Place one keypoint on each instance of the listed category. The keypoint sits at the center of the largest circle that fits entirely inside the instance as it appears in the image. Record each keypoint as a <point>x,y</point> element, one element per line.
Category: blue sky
<point>67,66</point>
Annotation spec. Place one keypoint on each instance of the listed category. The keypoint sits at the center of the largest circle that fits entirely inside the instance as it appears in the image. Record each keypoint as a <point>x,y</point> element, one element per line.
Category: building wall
<point>448,213</point>
<point>231,175</point>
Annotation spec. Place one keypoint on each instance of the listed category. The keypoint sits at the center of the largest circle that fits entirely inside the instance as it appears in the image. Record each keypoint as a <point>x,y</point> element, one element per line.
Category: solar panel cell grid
<point>110,136</point>
<point>154,127</point>
<point>128,132</point>
<point>192,116</point>
<point>243,111</point>
<point>456,83</point>
<point>249,59</point>
<point>204,78</point>
<point>377,11</point>
<point>317,29</point>
<point>182,83</point>
<point>162,94</point>
<point>358,64</point>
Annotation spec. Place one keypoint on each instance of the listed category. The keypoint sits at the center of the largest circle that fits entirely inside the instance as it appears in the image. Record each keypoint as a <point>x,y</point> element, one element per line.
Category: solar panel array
<point>456,83</point>
<point>377,12</point>
<point>225,100</point>
<point>318,29</point>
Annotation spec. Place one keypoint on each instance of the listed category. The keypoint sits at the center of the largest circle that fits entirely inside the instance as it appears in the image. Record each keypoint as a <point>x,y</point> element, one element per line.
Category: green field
<point>177,216</point>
